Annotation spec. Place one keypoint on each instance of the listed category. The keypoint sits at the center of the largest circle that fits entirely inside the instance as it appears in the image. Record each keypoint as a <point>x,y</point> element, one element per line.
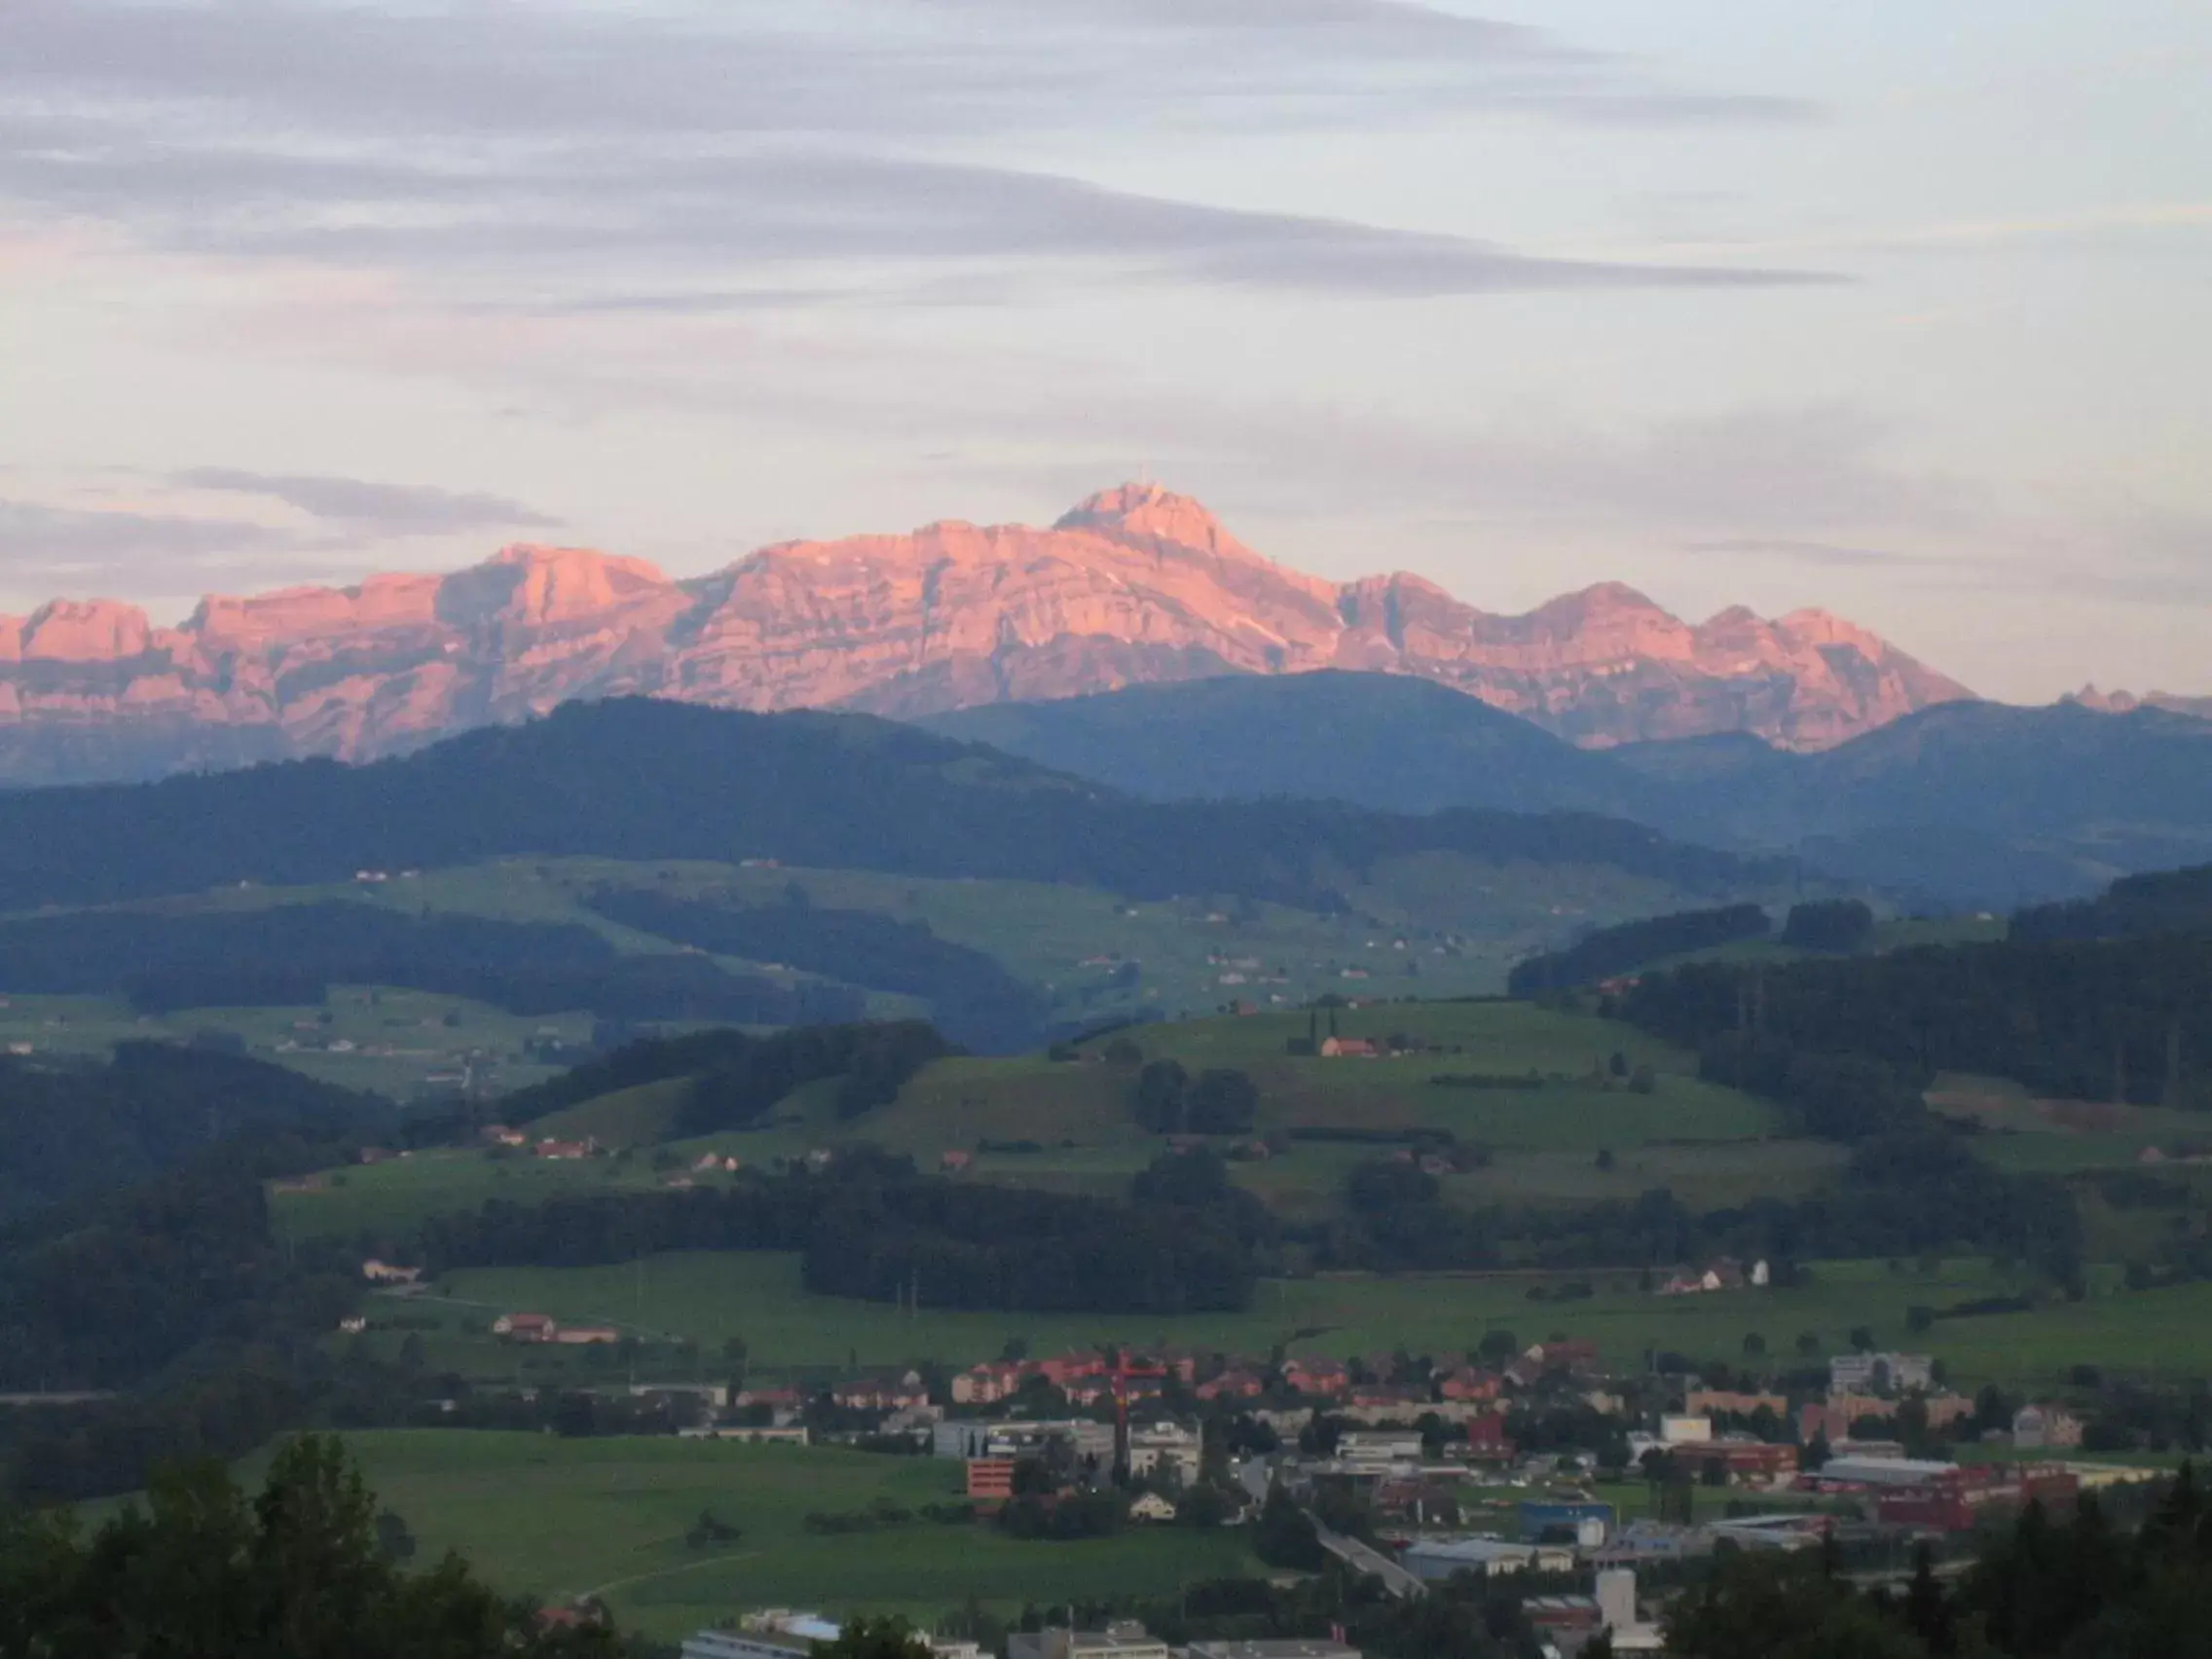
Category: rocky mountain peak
<point>90,631</point>
<point>1148,512</point>
<point>1136,584</point>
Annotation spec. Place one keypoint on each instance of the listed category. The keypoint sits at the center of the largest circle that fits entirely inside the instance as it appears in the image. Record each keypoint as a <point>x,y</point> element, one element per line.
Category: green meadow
<point>555,1519</point>
<point>704,1299</point>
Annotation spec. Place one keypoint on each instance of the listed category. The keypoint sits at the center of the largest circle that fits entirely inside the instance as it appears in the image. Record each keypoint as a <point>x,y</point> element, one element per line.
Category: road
<point>1360,1558</point>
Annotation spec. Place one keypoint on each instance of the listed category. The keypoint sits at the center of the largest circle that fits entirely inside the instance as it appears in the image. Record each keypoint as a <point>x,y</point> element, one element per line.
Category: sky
<point>1901,311</point>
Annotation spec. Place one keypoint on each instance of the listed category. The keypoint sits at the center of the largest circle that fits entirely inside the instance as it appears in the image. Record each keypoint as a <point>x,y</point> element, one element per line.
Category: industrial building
<point>1435,1560</point>
<point>1287,1648</point>
<point>1119,1641</point>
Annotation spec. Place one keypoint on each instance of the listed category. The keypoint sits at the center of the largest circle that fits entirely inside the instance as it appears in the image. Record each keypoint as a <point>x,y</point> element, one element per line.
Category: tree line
<point>2124,1019</point>
<point>290,955</point>
<point>301,1570</point>
<point>870,1228</point>
<point>1623,948</point>
<point>736,1078</point>
<point>974,1000</point>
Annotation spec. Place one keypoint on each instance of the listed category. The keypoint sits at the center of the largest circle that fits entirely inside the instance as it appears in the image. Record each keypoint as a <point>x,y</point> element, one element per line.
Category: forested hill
<point>2121,1019</point>
<point>78,1127</point>
<point>2136,906</point>
<point>639,779</point>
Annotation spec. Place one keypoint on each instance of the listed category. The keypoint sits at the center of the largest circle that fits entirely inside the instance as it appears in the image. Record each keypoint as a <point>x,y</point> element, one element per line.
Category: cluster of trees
<point>2126,1019</point>
<point>641,779</point>
<point>1622,949</point>
<point>1836,927</point>
<point>290,955</point>
<point>938,1244</point>
<point>299,1570</point>
<point>1168,1100</point>
<point>975,1001</point>
<point>2045,1588</point>
<point>1904,1195</point>
<point>870,1228</point>
<point>2135,906</point>
<point>76,1127</point>
<point>103,1292</point>
<point>737,1077</point>
<point>1836,1096</point>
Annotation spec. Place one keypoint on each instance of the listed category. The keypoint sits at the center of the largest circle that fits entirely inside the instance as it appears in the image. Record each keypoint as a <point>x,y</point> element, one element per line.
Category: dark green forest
<point>290,955</point>
<point>2124,1019</point>
<point>2135,906</point>
<point>737,1076</point>
<point>645,779</point>
<point>68,1128</point>
<point>1622,949</point>
<point>976,1002</point>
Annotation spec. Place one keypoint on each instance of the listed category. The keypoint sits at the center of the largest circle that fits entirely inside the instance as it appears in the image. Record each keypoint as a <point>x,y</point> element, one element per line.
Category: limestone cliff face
<point>1134,585</point>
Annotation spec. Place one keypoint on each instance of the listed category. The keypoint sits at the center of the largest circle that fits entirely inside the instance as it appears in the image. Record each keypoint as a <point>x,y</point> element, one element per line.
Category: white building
<point>1166,1451</point>
<point>782,1635</point>
<point>1122,1641</point>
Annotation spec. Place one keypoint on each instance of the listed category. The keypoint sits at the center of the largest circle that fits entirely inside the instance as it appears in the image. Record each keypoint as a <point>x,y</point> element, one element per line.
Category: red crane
<point>1120,1373</point>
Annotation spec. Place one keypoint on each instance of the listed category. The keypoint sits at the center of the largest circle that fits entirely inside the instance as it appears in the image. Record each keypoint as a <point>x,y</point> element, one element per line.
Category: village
<point>1536,1464</point>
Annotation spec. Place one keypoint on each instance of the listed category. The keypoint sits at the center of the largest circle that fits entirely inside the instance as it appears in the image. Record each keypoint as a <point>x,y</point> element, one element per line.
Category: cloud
<point>376,509</point>
<point>1822,553</point>
<point>47,549</point>
<point>883,67</point>
<point>776,210</point>
<point>587,153</point>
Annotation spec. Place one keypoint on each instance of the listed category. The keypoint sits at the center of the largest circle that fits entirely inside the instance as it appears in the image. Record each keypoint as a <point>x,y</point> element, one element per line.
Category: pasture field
<point>554,1517</point>
<point>1897,934</point>
<point>379,1039</point>
<point>1579,1106</point>
<point>708,1297</point>
<point>1440,925</point>
<point>390,1199</point>
<point>1073,1118</point>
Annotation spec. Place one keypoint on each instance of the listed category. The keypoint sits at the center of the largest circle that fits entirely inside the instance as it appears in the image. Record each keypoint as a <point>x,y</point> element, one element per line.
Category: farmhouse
<point>2051,1427</point>
<point>525,1327</point>
<point>384,1273</point>
<point>566,1151</point>
<point>586,1336</point>
<point>1350,1047</point>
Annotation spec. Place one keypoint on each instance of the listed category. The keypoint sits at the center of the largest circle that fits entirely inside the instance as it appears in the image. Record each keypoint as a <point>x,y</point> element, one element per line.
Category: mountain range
<point>1134,586</point>
<point>1958,804</point>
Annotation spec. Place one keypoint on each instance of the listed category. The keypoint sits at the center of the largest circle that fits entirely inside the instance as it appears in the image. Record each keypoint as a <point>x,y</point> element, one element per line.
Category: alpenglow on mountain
<point>1136,585</point>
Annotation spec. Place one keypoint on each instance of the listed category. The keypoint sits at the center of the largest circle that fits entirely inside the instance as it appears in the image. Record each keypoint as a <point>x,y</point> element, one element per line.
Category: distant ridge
<point>1136,585</point>
<point>1964,804</point>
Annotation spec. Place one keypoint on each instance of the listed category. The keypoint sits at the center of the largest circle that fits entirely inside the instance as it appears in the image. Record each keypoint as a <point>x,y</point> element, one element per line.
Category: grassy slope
<point>557,1518</point>
<point>709,1298</point>
<point>1464,923</point>
<point>400,1037</point>
<point>1706,1142</point>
